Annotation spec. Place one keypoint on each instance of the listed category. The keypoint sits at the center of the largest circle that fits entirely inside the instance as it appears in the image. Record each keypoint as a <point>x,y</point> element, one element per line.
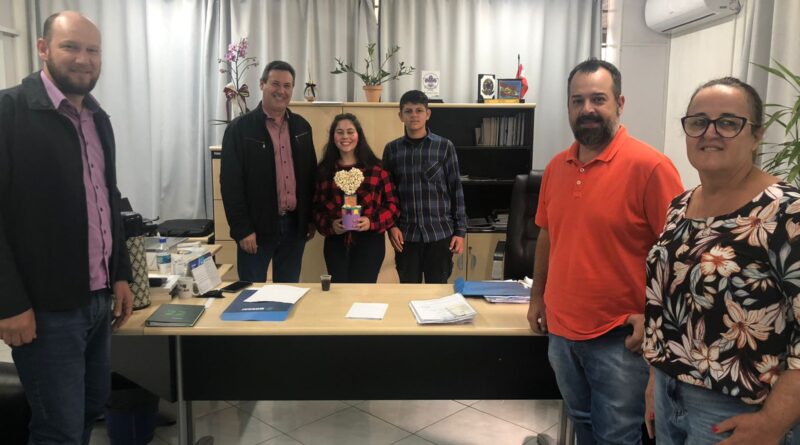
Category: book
<point>240,310</point>
<point>175,315</point>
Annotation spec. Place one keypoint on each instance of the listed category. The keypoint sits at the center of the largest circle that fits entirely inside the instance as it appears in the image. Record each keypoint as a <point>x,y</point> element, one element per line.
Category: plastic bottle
<point>163,258</point>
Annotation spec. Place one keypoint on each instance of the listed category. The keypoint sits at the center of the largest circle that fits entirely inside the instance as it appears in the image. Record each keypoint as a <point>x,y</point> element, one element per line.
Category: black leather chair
<point>14,410</point>
<point>517,252</point>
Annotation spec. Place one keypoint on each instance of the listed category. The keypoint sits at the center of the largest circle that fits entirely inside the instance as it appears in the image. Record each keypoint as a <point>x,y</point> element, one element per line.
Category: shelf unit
<point>487,171</point>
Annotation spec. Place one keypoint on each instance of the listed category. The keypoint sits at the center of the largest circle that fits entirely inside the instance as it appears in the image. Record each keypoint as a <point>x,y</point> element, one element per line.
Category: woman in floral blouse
<point>353,256</point>
<point>723,287</point>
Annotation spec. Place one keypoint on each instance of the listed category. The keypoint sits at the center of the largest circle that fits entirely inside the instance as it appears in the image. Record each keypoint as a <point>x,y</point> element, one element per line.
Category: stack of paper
<point>367,311</point>
<point>277,292</point>
<point>450,309</point>
<point>517,299</point>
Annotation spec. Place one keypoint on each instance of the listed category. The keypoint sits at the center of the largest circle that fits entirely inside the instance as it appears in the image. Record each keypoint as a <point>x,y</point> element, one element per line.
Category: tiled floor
<point>352,422</point>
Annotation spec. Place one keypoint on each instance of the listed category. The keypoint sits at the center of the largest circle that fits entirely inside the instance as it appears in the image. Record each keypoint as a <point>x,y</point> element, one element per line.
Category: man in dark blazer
<point>267,181</point>
<point>63,259</point>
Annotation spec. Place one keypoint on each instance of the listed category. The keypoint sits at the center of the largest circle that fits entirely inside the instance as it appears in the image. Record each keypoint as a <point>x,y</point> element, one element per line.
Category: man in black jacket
<point>62,247</point>
<point>267,181</point>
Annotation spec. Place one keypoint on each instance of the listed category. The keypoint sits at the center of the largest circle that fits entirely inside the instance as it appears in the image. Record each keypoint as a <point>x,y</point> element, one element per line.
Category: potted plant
<point>785,160</point>
<point>374,75</point>
<point>235,63</point>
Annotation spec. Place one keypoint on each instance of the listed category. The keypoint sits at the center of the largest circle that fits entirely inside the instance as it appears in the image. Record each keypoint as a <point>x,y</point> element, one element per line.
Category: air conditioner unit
<point>672,16</point>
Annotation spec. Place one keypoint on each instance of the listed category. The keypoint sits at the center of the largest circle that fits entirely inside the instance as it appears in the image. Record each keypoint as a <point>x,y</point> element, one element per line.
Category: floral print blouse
<point>723,295</point>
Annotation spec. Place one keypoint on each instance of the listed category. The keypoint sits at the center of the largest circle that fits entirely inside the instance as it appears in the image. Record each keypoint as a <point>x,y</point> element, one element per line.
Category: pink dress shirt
<point>98,206</point>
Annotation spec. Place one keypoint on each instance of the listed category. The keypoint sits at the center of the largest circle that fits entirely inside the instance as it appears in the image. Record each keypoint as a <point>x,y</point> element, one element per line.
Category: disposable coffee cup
<point>325,282</point>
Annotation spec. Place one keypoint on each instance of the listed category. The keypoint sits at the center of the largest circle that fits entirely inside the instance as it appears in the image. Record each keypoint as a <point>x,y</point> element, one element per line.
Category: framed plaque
<point>487,87</point>
<point>509,89</point>
<point>430,83</point>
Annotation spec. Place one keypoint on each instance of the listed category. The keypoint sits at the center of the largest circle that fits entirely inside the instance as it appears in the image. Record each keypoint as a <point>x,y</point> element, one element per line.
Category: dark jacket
<point>44,254</point>
<point>247,175</point>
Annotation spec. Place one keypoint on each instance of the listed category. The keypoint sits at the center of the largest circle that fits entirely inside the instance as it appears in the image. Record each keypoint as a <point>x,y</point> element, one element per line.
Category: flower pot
<point>373,92</point>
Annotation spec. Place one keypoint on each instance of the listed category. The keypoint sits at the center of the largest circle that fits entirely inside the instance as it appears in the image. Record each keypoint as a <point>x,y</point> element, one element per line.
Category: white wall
<point>695,57</point>
<point>643,61</point>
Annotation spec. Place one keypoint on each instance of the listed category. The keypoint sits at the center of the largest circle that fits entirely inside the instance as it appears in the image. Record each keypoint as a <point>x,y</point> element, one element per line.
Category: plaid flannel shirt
<point>376,196</point>
<point>429,187</point>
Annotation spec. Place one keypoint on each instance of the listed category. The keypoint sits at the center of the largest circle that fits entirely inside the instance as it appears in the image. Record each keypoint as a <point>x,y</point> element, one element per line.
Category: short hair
<point>756,104</point>
<point>413,97</point>
<point>593,64</point>
<point>47,28</point>
<point>277,65</point>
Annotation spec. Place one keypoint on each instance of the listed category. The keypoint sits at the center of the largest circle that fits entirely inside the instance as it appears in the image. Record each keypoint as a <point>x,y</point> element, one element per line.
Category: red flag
<point>521,76</point>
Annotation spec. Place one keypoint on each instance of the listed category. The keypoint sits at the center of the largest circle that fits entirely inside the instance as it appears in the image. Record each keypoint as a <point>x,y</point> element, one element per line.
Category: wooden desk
<point>317,354</point>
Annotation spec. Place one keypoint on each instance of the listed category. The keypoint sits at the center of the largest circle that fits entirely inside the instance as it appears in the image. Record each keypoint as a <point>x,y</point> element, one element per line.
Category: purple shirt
<point>98,208</point>
<point>284,165</point>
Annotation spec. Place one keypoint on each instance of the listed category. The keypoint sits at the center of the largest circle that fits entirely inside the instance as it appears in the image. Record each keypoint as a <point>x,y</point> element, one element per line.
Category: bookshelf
<point>488,168</point>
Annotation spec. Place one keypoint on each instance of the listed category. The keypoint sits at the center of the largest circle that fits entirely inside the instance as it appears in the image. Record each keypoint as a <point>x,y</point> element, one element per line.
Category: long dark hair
<point>364,154</point>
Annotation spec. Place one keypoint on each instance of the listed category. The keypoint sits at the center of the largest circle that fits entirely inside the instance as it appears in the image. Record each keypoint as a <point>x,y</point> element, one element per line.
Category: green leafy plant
<point>785,156</point>
<point>373,73</point>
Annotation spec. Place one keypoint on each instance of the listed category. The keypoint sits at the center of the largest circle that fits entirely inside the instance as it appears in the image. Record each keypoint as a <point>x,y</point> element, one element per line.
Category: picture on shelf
<point>487,87</point>
<point>509,89</point>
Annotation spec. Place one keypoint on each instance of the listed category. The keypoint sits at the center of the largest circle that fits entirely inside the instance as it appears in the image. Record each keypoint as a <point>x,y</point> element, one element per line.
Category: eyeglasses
<point>726,126</point>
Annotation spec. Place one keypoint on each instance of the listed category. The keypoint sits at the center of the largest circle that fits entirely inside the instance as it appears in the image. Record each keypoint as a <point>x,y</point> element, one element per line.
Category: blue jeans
<point>66,371</point>
<point>287,250</point>
<point>685,413</point>
<point>602,384</point>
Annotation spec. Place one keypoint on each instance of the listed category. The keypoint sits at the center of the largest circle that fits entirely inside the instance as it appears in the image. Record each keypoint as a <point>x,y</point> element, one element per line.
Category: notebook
<point>175,315</point>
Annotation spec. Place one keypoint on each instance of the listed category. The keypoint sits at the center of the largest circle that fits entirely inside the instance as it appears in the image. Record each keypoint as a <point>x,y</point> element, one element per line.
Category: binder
<point>238,310</point>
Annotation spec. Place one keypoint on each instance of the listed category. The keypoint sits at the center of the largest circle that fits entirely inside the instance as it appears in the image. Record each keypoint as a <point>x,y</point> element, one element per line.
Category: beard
<point>68,86</point>
<point>600,135</point>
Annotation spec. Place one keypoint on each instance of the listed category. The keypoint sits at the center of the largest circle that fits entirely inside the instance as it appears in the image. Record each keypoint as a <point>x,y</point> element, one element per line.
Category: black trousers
<point>359,262</point>
<point>432,260</point>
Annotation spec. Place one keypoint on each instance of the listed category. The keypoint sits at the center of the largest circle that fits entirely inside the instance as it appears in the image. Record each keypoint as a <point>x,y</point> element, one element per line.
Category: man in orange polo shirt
<point>602,205</point>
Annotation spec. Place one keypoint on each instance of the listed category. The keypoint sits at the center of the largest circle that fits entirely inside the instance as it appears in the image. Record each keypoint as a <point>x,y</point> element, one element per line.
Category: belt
<point>289,213</point>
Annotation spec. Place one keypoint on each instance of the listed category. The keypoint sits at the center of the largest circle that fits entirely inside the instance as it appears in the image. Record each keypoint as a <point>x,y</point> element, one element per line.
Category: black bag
<point>186,227</point>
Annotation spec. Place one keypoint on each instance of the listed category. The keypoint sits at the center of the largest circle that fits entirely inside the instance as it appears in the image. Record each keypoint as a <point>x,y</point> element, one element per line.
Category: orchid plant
<point>374,74</point>
<point>235,64</point>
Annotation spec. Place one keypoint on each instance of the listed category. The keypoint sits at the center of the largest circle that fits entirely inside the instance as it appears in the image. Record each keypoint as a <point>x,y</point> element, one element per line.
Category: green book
<point>175,315</point>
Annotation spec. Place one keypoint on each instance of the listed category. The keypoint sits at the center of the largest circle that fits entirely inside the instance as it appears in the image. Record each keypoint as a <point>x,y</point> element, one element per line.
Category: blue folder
<point>483,288</point>
<point>238,310</point>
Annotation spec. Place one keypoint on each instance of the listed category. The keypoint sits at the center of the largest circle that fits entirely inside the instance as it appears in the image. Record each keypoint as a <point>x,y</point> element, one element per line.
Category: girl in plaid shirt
<point>353,256</point>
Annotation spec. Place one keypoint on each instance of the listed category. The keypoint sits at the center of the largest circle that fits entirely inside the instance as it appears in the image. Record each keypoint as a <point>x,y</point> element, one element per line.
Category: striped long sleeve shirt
<point>426,175</point>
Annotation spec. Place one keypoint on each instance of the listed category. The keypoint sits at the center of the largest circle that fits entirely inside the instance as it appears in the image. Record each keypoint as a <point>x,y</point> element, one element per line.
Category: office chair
<point>515,256</point>
<point>14,410</point>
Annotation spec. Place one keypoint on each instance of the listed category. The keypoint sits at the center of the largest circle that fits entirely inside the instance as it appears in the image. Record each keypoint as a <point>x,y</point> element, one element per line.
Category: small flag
<point>521,76</point>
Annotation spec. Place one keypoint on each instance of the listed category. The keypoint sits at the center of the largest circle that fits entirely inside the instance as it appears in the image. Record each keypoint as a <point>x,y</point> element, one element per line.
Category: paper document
<point>451,309</point>
<point>367,311</point>
<point>205,273</point>
<point>279,293</point>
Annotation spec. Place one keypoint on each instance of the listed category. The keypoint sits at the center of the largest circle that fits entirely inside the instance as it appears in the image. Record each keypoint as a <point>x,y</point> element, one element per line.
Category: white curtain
<point>463,38</point>
<point>153,84</point>
<point>309,35</point>
<point>162,86</point>
<point>769,34</point>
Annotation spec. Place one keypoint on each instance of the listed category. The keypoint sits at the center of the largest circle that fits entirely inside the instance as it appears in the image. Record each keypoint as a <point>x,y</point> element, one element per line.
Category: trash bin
<point>130,413</point>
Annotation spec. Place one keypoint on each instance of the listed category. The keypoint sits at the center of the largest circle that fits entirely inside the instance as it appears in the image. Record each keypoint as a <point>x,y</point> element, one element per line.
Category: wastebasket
<point>130,413</point>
